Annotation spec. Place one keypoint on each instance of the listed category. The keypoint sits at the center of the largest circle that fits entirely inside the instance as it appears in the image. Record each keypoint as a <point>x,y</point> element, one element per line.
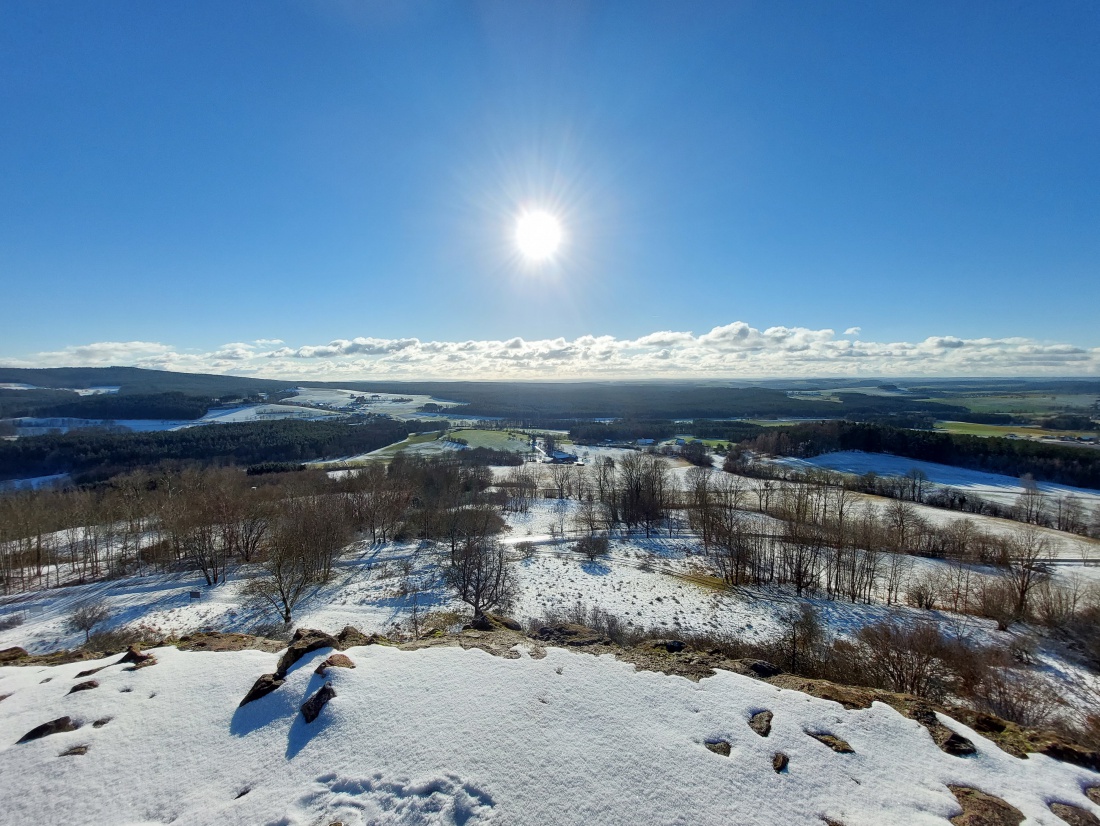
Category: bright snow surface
<point>447,736</point>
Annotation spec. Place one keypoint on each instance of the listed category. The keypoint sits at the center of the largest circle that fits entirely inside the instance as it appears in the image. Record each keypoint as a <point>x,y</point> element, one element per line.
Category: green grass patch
<point>1022,403</point>
<point>510,440</point>
<point>971,429</point>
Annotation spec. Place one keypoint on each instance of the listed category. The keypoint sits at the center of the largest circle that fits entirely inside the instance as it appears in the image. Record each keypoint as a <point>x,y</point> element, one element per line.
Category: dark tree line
<point>113,406</point>
<point>97,455</point>
<point>630,430</point>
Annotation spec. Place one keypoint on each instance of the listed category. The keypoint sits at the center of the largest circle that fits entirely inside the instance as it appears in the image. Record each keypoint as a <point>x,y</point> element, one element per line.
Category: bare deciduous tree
<point>88,615</point>
<point>479,573</point>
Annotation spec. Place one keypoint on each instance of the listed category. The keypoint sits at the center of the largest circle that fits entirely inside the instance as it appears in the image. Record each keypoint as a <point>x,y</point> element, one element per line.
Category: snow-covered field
<point>389,404</point>
<point>263,413</point>
<point>991,486</point>
<point>447,736</point>
<point>83,391</point>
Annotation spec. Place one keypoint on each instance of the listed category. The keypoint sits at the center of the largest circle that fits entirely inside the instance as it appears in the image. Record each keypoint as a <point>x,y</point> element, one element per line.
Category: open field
<point>1023,403</point>
<point>494,439</point>
<point>390,404</point>
<point>427,443</point>
<point>1022,431</point>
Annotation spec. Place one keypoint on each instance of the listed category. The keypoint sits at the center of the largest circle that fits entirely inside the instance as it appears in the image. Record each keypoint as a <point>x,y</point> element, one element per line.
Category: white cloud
<point>731,350</point>
<point>853,331</point>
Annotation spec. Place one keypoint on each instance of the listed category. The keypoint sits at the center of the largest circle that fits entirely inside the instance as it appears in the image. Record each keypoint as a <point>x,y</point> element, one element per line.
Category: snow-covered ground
<point>30,426</point>
<point>36,426</point>
<point>653,584</point>
<point>83,391</point>
<point>34,482</point>
<point>448,736</point>
<point>390,404</point>
<point>263,413</point>
<point>990,486</point>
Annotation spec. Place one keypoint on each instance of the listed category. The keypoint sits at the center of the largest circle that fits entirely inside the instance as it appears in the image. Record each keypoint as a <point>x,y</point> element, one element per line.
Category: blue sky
<point>179,176</point>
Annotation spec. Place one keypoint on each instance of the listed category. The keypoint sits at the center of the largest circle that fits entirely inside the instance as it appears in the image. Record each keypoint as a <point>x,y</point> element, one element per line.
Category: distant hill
<point>141,381</point>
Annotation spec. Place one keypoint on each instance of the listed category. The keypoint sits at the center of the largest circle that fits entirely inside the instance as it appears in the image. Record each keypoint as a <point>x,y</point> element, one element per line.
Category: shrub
<point>592,546</point>
<point>912,659</point>
<point>122,638</point>
<point>1018,696</point>
<point>996,601</point>
<point>11,621</point>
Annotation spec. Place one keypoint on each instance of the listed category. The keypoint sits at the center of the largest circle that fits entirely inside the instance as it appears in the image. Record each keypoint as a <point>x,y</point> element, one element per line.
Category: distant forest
<point>92,454</point>
<point>590,433</point>
<point>1011,457</point>
<point>139,380</point>
<point>529,403</point>
<point>58,404</point>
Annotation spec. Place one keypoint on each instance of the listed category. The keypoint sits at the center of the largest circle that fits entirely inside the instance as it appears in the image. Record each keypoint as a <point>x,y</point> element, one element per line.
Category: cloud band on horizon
<point>735,350</point>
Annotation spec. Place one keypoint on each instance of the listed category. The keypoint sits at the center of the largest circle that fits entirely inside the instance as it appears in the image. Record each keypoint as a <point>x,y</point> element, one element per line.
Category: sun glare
<point>538,235</point>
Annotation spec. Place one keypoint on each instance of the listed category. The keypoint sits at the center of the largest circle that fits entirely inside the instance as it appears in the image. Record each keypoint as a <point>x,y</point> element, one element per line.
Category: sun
<point>538,235</point>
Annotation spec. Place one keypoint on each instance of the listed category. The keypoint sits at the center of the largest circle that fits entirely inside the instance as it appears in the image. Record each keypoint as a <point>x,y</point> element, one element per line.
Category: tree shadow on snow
<point>596,567</point>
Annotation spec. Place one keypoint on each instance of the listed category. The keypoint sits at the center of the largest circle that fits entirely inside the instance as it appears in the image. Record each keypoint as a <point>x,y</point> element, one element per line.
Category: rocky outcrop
<point>87,685</point>
<point>352,636</point>
<point>215,641</point>
<point>136,658</point>
<point>1074,815</point>
<point>494,622</point>
<point>780,761</point>
<point>981,809</point>
<point>305,641</point>
<point>574,636</point>
<point>10,655</point>
<point>1013,739</point>
<point>760,669</point>
<point>671,646</point>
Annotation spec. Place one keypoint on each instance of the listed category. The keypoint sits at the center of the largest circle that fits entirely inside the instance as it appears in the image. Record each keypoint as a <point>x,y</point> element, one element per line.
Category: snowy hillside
<point>993,487</point>
<point>447,736</point>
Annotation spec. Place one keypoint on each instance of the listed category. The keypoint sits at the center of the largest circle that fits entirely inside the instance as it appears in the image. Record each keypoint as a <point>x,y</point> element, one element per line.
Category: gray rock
<point>305,641</point>
<point>761,723</point>
<point>312,707</point>
<point>53,727</point>
<point>718,747</point>
<point>958,746</point>
<point>261,688</point>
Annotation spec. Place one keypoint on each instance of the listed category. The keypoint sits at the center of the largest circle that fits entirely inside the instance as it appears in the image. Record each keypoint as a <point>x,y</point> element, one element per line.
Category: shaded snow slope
<point>991,486</point>
<point>446,736</point>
